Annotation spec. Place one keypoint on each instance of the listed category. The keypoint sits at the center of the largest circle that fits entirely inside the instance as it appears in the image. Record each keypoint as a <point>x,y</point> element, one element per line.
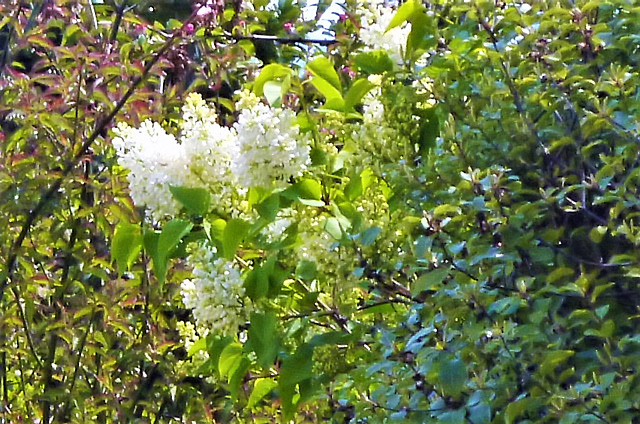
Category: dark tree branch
<point>281,40</point>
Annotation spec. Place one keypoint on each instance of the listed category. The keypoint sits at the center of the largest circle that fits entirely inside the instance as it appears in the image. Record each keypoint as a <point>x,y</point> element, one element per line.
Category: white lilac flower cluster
<point>264,149</point>
<point>210,149</point>
<point>155,160</point>
<point>216,292</point>
<point>271,148</point>
<point>375,18</point>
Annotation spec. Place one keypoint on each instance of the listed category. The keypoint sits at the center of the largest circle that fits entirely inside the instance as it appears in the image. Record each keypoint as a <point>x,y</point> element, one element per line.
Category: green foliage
<point>477,246</point>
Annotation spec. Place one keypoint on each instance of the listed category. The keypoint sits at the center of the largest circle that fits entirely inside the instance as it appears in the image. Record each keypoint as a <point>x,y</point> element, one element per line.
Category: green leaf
<point>234,233</point>
<point>126,245</point>
<point>261,388</point>
<point>230,359</point>
<point>517,408</point>
<point>306,270</point>
<point>322,68</point>
<point>452,377</point>
<point>370,235</point>
<point>480,413</point>
<point>332,226</point>
<point>307,189</point>
<point>559,274</point>
<point>421,26</point>
<point>297,367</point>
<point>429,281</point>
<point>429,130</point>
<point>452,417</point>
<point>171,235</point>
<point>374,62</point>
<point>265,279</point>
<point>269,207</point>
<point>256,283</point>
<point>553,359</point>
<point>161,245</point>
<point>273,92</point>
<point>597,233</point>
<point>332,94</point>
<point>404,13</point>
<point>198,346</point>
<point>238,377</point>
<point>194,200</point>
<point>263,338</point>
<point>357,91</point>
<point>273,71</point>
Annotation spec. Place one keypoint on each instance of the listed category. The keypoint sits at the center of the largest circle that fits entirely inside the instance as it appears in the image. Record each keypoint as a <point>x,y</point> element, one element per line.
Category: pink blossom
<point>350,72</point>
<point>204,11</point>
<point>288,26</point>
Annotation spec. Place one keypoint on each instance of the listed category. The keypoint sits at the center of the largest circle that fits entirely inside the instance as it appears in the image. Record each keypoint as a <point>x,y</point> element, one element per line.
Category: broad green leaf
<point>160,245</point>
<point>329,92</point>
<point>559,274</point>
<point>374,62</point>
<point>597,233</point>
<point>273,92</point>
<point>194,200</point>
<point>332,226</point>
<point>553,359</point>
<point>357,91</point>
<point>306,270</point>
<point>263,337</point>
<point>261,388</point>
<point>269,207</point>
<point>429,281</point>
<point>234,233</point>
<point>404,13</point>
<point>256,283</point>
<point>199,345</point>
<point>480,413</point>
<point>171,234</point>
<point>452,377</point>
<point>429,130</point>
<point>370,235</point>
<point>322,68</point>
<point>307,188</point>
<point>265,279</point>
<point>421,28</point>
<point>294,371</point>
<point>230,358</point>
<point>453,417</point>
<point>518,408</point>
<point>273,71</point>
<point>237,377</point>
<point>297,367</point>
<point>126,245</point>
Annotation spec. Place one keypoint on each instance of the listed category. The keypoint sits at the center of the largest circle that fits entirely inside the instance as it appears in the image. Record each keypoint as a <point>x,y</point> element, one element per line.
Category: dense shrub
<point>430,217</point>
